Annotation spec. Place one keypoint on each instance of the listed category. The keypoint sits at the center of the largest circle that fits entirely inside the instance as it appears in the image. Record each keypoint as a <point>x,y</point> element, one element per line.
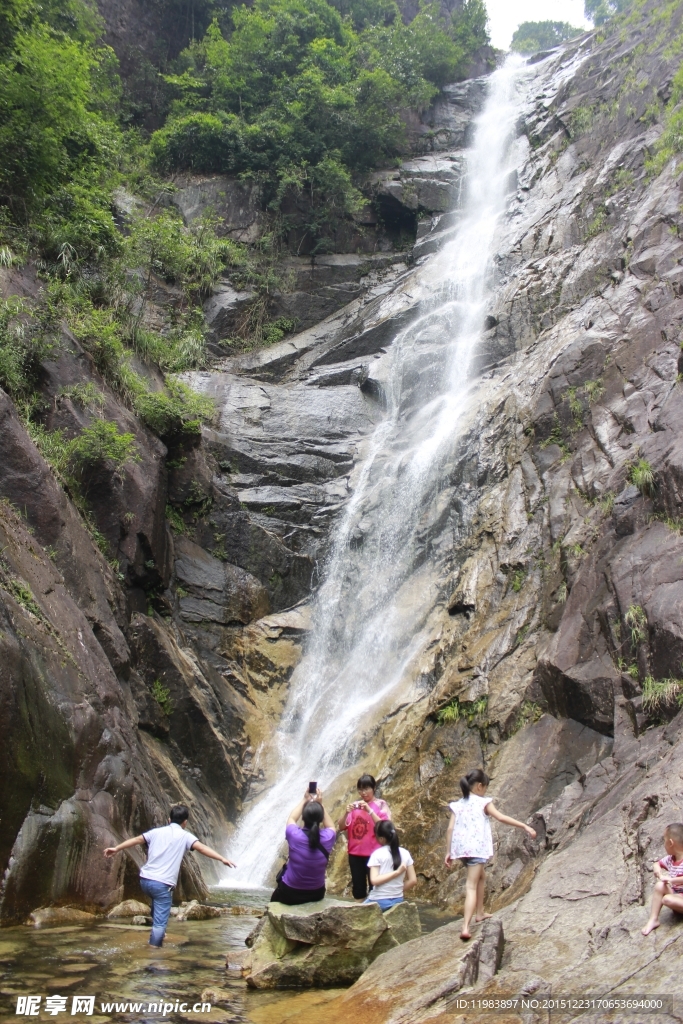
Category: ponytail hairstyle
<point>386,830</point>
<point>471,779</point>
<point>313,815</point>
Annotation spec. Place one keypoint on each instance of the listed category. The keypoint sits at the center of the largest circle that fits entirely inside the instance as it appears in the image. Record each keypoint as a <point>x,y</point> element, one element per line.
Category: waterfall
<point>369,613</point>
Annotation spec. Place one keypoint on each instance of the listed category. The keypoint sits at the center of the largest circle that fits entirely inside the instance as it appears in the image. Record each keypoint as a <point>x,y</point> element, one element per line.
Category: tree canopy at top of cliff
<point>292,85</point>
<point>309,91</point>
<point>532,36</point>
<point>600,11</point>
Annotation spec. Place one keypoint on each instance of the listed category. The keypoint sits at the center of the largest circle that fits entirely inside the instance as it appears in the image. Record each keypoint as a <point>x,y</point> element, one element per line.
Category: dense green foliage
<point>304,93</point>
<point>301,95</point>
<point>532,36</point>
<point>58,134</point>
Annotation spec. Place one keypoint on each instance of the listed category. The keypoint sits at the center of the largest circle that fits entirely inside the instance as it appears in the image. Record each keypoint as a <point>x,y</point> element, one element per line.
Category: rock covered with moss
<point>324,944</point>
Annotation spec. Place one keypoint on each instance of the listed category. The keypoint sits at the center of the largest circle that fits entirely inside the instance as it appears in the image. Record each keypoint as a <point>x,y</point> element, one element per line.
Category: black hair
<point>675,832</point>
<point>471,779</point>
<point>366,781</point>
<point>387,830</point>
<point>179,814</point>
<point>313,815</point>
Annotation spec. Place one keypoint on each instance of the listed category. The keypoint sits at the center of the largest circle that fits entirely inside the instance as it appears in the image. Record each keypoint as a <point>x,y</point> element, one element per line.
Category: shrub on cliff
<point>102,442</point>
<point>24,340</point>
<point>200,142</point>
<point>57,132</point>
<point>670,142</point>
<point>176,412</point>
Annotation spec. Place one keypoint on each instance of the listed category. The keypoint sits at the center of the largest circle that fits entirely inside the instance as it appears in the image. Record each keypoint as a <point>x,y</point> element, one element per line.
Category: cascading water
<point>377,592</point>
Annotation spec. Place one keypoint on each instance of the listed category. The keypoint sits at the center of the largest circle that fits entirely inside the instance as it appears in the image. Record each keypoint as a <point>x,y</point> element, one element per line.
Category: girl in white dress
<point>469,839</point>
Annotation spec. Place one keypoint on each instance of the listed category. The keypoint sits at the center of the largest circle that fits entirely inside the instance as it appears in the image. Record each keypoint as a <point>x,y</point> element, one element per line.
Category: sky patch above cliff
<point>505,17</point>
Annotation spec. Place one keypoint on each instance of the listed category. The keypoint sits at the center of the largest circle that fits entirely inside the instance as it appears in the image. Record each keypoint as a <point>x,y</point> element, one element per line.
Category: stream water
<point>199,962</point>
<point>378,587</point>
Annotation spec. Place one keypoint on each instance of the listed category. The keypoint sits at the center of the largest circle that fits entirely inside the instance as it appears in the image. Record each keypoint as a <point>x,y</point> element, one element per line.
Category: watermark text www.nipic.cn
<point>30,1006</point>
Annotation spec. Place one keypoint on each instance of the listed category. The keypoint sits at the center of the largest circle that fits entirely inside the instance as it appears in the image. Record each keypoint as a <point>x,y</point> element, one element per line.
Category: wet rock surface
<point>422,979</point>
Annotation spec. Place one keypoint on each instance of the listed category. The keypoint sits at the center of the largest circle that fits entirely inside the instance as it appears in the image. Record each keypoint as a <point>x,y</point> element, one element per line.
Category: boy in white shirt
<point>166,847</point>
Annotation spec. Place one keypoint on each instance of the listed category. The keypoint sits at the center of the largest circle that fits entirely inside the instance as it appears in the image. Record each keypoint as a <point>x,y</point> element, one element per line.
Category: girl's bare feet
<point>482,917</point>
<point>650,927</point>
<point>465,936</point>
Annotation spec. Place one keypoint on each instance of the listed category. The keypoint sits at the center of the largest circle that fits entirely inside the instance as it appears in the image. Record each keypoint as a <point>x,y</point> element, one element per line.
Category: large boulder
<point>326,943</point>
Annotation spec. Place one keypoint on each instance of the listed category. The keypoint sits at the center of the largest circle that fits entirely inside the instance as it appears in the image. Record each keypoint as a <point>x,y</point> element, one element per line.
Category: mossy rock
<point>325,944</point>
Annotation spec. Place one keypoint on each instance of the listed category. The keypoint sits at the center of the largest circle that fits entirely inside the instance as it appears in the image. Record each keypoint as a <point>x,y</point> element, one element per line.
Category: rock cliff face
<point>556,633</point>
<point>560,598</point>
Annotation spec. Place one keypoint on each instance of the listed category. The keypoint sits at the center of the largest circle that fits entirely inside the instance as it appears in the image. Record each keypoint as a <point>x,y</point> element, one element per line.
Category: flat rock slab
<point>46,917</point>
<point>421,980</point>
<point>326,943</point>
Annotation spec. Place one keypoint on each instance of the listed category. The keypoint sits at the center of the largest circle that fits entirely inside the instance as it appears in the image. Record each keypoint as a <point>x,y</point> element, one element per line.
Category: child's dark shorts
<point>469,861</point>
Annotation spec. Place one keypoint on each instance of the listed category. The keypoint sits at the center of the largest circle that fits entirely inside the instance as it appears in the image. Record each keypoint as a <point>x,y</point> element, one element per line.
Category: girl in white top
<point>469,839</point>
<point>391,868</point>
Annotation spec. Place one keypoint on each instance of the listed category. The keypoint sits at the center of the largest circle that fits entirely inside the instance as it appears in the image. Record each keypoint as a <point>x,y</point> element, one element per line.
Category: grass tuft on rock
<point>641,475</point>
<point>661,694</point>
<point>162,695</point>
<point>636,620</point>
<point>456,710</point>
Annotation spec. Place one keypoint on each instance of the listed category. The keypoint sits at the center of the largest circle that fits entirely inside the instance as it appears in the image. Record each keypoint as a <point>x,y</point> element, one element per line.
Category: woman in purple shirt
<point>303,879</point>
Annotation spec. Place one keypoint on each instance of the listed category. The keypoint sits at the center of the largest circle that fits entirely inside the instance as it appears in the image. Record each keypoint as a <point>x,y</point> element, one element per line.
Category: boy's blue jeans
<point>161,896</point>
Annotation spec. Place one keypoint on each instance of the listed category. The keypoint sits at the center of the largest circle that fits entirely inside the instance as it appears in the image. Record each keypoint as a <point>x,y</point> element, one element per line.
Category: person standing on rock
<point>359,823</point>
<point>469,840</point>
<point>302,879</point>
<point>391,868</point>
<point>166,847</point>
<point>668,891</point>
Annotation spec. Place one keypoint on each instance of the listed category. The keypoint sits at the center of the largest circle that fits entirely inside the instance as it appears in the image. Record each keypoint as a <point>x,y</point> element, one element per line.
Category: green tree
<point>600,11</point>
<point>532,36</point>
<point>305,93</point>
<point>56,96</point>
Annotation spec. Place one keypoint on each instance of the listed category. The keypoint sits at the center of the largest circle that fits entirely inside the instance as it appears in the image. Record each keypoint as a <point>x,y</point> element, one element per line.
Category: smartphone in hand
<point>313,788</point>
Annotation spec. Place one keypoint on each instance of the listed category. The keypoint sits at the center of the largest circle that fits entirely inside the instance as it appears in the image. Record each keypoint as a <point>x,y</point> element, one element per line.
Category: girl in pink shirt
<point>359,824</point>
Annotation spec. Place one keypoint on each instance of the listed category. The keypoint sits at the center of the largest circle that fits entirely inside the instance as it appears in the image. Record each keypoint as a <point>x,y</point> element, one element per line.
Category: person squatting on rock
<point>166,847</point>
<point>359,823</point>
<point>391,868</point>
<point>302,879</point>
<point>469,840</point>
<point>668,871</point>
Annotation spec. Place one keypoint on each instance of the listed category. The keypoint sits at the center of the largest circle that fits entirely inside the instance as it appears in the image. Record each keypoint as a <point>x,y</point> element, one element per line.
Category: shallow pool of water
<point>114,963</point>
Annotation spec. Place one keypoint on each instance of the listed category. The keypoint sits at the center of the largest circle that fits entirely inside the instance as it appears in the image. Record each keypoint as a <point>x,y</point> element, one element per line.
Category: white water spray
<point>377,593</point>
